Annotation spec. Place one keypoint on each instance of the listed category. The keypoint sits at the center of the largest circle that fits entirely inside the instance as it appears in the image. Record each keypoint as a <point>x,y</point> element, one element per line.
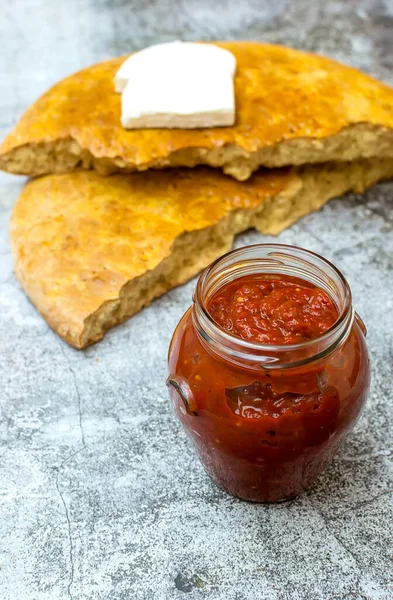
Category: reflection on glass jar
<point>266,418</point>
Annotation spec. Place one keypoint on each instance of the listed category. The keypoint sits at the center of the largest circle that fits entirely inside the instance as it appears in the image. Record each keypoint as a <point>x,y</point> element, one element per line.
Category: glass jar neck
<point>273,259</point>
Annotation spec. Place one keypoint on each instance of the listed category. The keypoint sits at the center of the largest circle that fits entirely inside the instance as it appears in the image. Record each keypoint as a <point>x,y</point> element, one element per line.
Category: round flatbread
<point>291,108</point>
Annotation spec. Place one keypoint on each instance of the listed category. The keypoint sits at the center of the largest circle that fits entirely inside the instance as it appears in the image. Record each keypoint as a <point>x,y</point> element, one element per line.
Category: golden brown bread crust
<point>292,108</point>
<point>91,251</point>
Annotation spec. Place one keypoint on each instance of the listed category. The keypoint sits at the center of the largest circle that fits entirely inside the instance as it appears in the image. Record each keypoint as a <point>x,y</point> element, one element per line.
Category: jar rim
<point>334,334</point>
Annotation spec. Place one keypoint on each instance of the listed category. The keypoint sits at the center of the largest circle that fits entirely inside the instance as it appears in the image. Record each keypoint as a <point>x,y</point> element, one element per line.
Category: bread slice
<point>91,251</point>
<point>292,108</point>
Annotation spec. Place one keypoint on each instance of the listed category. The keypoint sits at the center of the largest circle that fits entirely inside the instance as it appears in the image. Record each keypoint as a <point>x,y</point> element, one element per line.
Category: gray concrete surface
<point>100,496</point>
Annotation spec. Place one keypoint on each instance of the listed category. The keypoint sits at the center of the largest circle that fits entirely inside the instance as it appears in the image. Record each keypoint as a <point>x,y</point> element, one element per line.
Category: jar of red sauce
<point>269,369</point>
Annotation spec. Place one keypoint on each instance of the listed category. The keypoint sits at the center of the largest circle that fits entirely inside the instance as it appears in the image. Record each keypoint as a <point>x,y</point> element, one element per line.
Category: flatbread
<point>292,108</point>
<point>91,251</point>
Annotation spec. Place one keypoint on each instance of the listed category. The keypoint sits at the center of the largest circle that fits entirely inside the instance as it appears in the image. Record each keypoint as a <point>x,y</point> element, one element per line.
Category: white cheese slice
<point>178,84</point>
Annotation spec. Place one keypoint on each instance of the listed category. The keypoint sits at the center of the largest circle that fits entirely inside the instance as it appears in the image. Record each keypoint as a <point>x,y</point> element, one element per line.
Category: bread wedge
<point>90,251</point>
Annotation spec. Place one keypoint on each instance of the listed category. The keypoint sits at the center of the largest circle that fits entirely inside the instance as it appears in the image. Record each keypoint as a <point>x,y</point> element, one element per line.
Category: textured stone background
<point>100,496</point>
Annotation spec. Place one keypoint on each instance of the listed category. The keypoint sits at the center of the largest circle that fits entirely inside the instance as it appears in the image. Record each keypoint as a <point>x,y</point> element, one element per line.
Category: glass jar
<point>309,394</point>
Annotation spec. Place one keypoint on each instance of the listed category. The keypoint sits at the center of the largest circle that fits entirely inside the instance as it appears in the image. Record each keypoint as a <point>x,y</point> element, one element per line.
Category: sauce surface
<point>276,309</point>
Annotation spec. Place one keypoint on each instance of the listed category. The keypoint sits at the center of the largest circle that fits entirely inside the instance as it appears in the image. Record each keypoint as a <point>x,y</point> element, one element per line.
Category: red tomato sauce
<point>265,434</point>
<point>273,310</point>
